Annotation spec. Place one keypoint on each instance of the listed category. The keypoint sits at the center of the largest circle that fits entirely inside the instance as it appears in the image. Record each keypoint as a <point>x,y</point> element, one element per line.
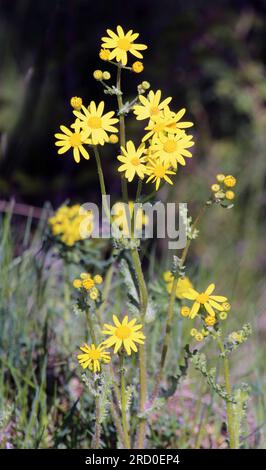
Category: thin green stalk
<point>229,406</point>
<point>101,180</point>
<point>97,432</point>
<point>139,189</point>
<point>122,129</point>
<point>123,402</point>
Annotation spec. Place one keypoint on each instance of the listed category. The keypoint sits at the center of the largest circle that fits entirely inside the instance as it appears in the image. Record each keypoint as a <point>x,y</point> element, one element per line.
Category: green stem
<point>139,189</point>
<point>97,432</point>
<point>229,405</point>
<point>123,402</point>
<point>122,130</point>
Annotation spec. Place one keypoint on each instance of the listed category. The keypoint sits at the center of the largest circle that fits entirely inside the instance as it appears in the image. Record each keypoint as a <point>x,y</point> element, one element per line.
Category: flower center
<point>88,283</point>
<point>95,122</point>
<point>75,140</point>
<point>124,44</point>
<point>135,161</point>
<point>154,110</point>
<point>159,127</point>
<point>202,298</point>
<point>123,332</point>
<point>159,171</point>
<point>95,354</point>
<point>169,146</point>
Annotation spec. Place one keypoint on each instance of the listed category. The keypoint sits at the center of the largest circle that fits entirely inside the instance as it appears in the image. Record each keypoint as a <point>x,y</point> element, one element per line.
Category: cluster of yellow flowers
<point>122,335</point>
<point>165,144</point>
<point>65,224</point>
<point>221,189</point>
<point>88,283</point>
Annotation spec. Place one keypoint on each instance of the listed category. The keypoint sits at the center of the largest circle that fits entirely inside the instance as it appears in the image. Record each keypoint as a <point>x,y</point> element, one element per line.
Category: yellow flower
<point>185,311</point>
<point>106,75</point>
<point>66,223</point>
<point>98,74</point>
<point>229,181</point>
<point>145,85</point>
<point>121,44</point>
<point>133,161</point>
<point>230,195</point>
<point>76,102</point>
<point>122,212</point>
<point>209,320</point>
<point>75,139</point>
<point>150,106</point>
<point>94,293</point>
<point>93,357</point>
<point>183,284</point>
<point>223,316</point>
<point>98,279</point>
<point>77,283</point>
<point>113,139</point>
<point>172,149</point>
<point>104,54</point>
<point>226,306</point>
<point>215,187</point>
<point>137,67</point>
<point>199,336</point>
<point>220,177</point>
<point>175,122</point>
<point>205,299</point>
<point>193,331</point>
<point>157,172</point>
<point>96,124</point>
<point>88,283</point>
<point>158,125</point>
<point>125,334</point>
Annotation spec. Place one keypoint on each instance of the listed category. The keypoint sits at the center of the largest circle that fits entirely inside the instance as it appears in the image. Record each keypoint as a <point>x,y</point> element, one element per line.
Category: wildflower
<point>193,331</point>
<point>96,124</point>
<point>157,172</point>
<point>113,139</point>
<point>230,195</point>
<point>123,214</point>
<point>159,125</point>
<point>77,283</point>
<point>93,357</point>
<point>229,181</point>
<point>226,306</point>
<point>183,284</point>
<point>172,149</point>
<point>220,177</point>
<point>235,337</point>
<point>199,336</point>
<point>104,54</point>
<point>145,85</point>
<point>137,67</point>
<point>65,224</point>
<point>210,320</point>
<point>215,188</point>
<point>185,311</point>
<point>98,279</point>
<point>150,106</point>
<point>125,333</point>
<point>98,74</point>
<point>75,139</point>
<point>205,299</point>
<point>175,122</point>
<point>223,316</point>
<point>121,44</point>
<point>205,332</point>
<point>133,161</point>
<point>106,75</point>
<point>94,293</point>
<point>88,284</point>
<point>76,102</point>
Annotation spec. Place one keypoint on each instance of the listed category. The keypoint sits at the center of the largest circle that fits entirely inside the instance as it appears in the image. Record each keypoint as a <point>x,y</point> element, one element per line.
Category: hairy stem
<point>122,130</point>
<point>123,402</point>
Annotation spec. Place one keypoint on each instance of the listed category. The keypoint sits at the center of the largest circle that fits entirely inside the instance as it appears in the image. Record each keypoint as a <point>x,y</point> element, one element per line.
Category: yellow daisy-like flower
<point>171,149</point>
<point>183,284</point>
<point>175,123</point>
<point>205,299</point>
<point>150,106</point>
<point>121,43</point>
<point>75,139</point>
<point>125,333</point>
<point>96,124</point>
<point>158,171</point>
<point>93,357</point>
<point>133,161</point>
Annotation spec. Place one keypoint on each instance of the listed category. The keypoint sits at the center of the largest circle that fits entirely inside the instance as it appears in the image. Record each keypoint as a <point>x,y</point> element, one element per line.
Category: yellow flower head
<point>220,177</point>
<point>215,187</point>
<point>123,334</point>
<point>150,106</point>
<point>137,67</point>
<point>75,140</point>
<point>98,74</point>
<point>171,149</point>
<point>88,283</point>
<point>133,161</point>
<point>205,299</point>
<point>183,284</point>
<point>159,125</point>
<point>121,44</point>
<point>229,181</point>
<point>199,336</point>
<point>93,356</point>
<point>226,306</point>
<point>96,124</point>
<point>230,195</point>
<point>210,320</point>
<point>193,331</point>
<point>104,54</point>
<point>94,293</point>
<point>113,139</point>
<point>106,75</point>
<point>67,221</point>
<point>98,279</point>
<point>76,102</point>
<point>157,172</point>
<point>185,311</point>
<point>223,316</point>
<point>175,124</point>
